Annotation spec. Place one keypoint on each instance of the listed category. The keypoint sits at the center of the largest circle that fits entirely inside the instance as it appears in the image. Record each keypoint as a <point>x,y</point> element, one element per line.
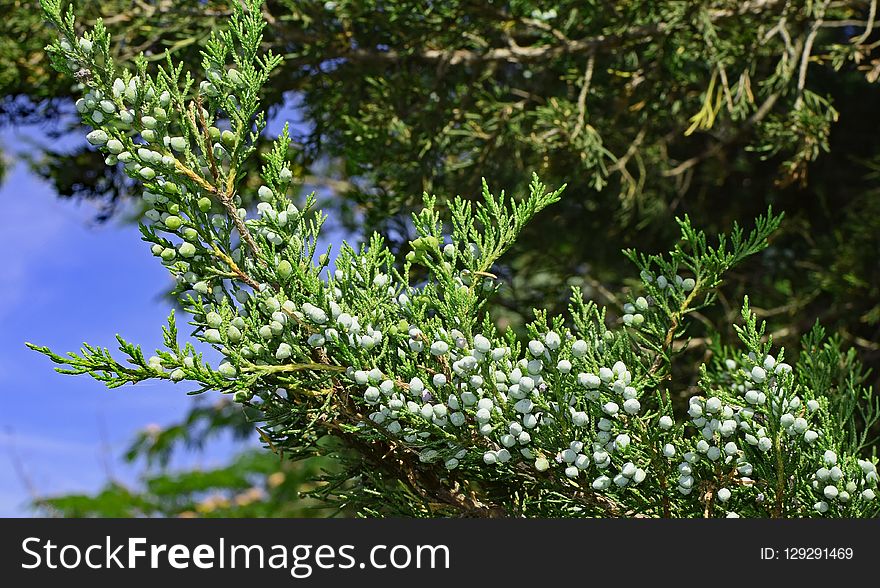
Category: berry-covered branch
<point>398,373</point>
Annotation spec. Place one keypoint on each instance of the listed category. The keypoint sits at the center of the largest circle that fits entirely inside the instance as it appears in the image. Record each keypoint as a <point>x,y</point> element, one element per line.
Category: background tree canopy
<point>647,110</point>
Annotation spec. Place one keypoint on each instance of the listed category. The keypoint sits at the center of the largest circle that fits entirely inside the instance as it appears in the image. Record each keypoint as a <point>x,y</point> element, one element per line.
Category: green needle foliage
<point>713,108</point>
<point>397,373</point>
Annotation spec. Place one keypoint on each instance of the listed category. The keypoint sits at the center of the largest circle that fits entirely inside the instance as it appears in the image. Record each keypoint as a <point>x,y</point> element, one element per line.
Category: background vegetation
<point>648,110</point>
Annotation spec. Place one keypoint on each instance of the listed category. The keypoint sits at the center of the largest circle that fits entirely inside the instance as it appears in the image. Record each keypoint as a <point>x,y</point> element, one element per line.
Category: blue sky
<point>65,280</point>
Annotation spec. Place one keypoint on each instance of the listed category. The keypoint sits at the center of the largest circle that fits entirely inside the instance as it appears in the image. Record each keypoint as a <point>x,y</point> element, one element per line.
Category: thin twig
<point>208,146</point>
<point>872,14</point>
<point>234,267</point>
<point>582,98</point>
<point>620,164</point>
<point>719,146</point>
<point>805,55</point>
<point>293,367</point>
<point>514,54</point>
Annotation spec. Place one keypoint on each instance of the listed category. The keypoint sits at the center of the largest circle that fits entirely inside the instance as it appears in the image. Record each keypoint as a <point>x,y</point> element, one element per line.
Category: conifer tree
<point>395,370</point>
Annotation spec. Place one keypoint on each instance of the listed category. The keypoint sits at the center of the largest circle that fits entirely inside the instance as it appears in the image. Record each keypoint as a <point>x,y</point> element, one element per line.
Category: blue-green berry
<point>97,137</point>
<point>283,352</point>
<point>227,369</point>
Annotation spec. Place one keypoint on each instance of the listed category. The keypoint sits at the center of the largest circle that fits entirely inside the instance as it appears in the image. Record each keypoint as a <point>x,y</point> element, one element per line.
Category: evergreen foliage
<point>396,371</point>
